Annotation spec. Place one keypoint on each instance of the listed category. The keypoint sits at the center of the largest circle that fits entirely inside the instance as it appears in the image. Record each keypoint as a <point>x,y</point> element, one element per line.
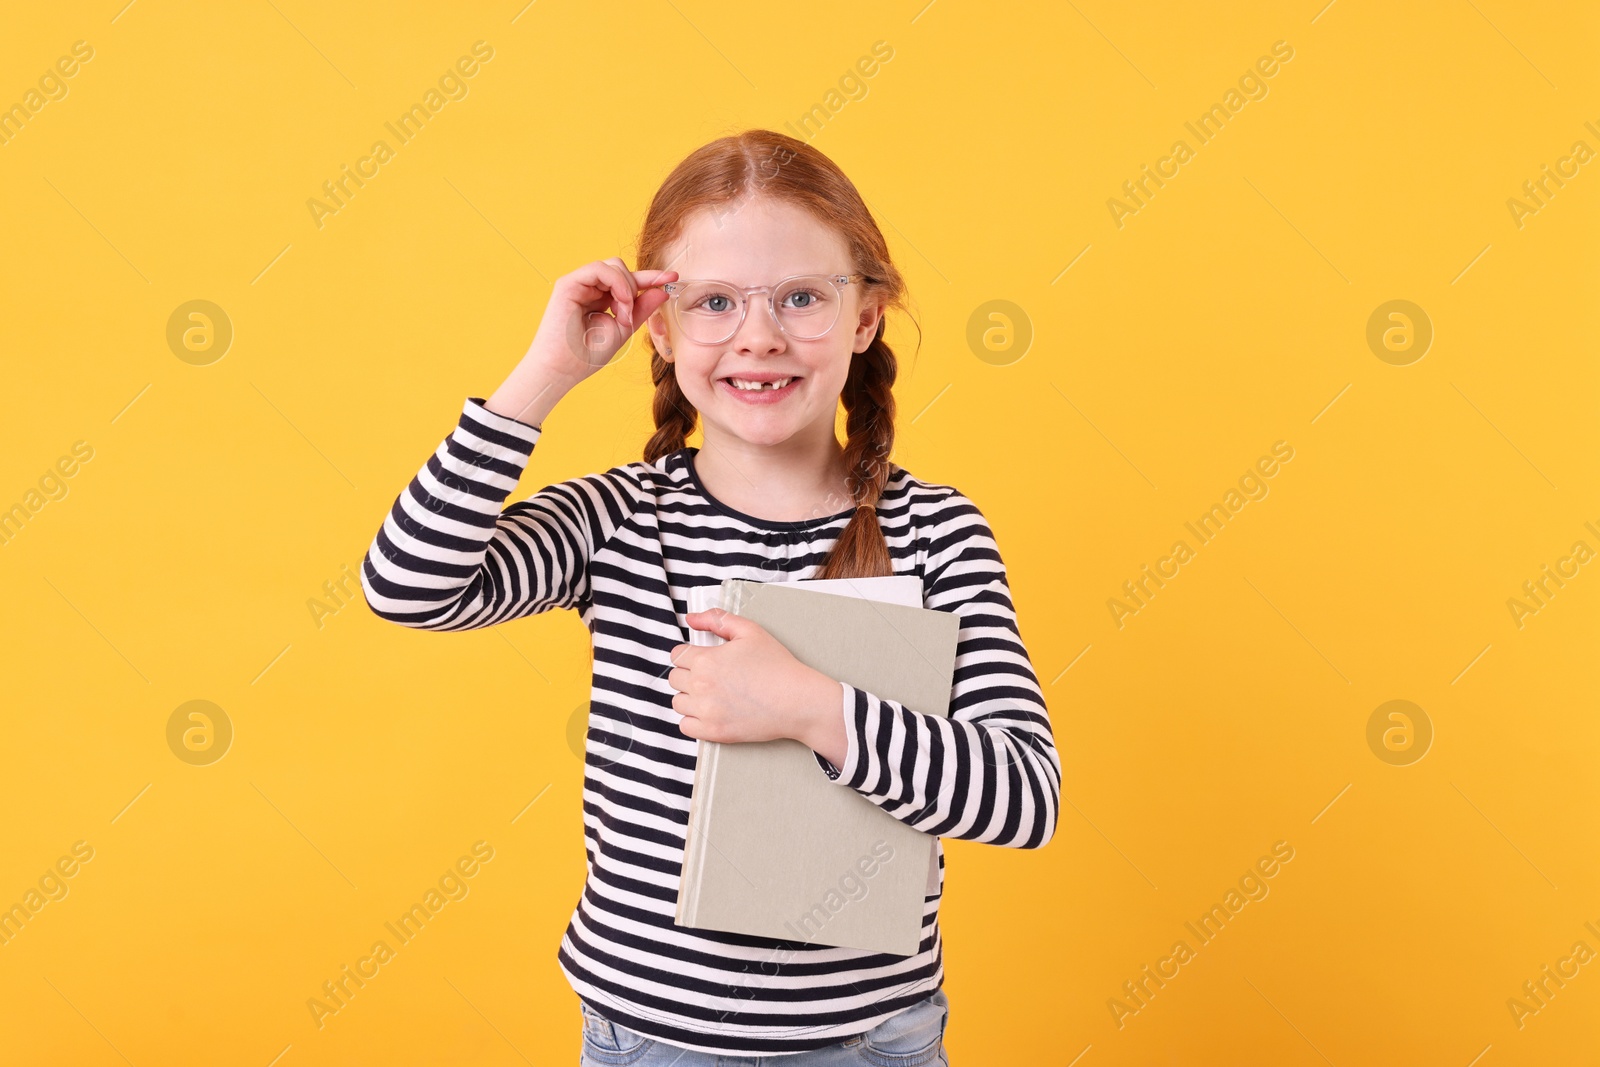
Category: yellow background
<point>1227,314</point>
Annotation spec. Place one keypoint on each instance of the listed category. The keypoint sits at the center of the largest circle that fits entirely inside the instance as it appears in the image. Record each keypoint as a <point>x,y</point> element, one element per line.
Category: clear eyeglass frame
<point>838,281</point>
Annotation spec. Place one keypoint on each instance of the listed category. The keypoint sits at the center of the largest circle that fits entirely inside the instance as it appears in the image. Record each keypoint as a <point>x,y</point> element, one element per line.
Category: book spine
<point>705,770</point>
<point>705,782</point>
<point>687,884</point>
<point>730,598</point>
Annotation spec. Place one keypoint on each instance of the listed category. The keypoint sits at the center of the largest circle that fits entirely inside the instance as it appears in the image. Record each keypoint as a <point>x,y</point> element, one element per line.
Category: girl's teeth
<point>739,383</point>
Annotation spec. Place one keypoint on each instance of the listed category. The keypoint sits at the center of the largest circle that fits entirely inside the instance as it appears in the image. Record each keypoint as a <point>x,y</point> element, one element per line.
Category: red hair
<point>770,164</point>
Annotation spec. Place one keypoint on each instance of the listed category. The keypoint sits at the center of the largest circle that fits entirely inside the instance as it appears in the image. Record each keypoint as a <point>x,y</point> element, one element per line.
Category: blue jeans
<point>910,1038</point>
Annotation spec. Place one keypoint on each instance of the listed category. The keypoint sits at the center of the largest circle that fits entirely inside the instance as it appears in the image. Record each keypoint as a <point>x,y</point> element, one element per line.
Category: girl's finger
<point>622,269</point>
<point>649,278</point>
<point>603,283</point>
<point>650,296</point>
<point>592,289</point>
<point>648,303</point>
<point>599,280</point>
<point>623,290</point>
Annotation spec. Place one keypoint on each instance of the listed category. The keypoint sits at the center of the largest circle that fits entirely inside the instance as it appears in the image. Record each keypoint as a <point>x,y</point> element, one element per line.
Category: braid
<point>674,416</point>
<point>868,396</point>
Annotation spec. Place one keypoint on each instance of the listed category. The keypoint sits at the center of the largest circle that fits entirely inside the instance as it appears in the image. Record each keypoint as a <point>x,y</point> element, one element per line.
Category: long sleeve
<point>447,557</point>
<point>989,772</point>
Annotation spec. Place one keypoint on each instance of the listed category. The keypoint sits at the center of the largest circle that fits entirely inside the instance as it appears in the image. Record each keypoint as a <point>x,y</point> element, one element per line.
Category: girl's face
<point>760,242</point>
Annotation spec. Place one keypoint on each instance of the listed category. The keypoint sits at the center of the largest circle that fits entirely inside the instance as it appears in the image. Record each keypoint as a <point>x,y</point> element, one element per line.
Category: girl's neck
<point>791,482</point>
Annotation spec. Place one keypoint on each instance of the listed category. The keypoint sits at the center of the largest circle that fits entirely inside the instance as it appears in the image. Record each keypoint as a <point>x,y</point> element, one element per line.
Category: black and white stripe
<point>623,548</point>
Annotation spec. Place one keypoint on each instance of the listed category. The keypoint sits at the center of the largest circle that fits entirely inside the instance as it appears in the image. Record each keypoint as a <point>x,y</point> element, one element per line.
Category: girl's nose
<point>759,332</point>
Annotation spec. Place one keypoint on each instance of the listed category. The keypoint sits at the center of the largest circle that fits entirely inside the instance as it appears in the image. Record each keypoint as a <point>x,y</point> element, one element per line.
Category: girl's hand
<point>751,688</point>
<point>576,337</point>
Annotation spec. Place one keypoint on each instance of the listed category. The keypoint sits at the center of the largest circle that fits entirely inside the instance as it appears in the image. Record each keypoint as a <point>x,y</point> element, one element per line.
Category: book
<point>774,847</point>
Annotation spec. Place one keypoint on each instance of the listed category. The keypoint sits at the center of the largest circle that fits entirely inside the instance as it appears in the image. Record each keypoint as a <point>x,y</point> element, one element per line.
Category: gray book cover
<point>776,849</point>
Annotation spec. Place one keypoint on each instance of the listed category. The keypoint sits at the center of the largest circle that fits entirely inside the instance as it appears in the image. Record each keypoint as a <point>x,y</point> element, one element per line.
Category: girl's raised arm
<point>447,557</point>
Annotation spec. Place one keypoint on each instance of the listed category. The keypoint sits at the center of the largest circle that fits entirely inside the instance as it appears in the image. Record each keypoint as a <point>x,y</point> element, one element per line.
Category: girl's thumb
<point>723,623</point>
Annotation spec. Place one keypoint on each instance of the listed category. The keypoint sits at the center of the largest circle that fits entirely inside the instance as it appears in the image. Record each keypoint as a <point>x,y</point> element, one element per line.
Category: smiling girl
<point>764,284</point>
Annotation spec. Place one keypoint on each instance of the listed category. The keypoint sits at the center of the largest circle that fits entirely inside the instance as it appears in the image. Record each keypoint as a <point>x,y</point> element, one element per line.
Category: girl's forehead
<point>753,242</point>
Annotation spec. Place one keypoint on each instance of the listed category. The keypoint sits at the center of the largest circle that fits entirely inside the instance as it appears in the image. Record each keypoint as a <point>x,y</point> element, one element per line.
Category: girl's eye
<point>716,303</point>
<point>804,298</point>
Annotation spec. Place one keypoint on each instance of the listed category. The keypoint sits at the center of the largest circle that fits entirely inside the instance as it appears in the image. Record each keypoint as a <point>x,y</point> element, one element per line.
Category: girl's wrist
<point>529,394</point>
<point>821,725</point>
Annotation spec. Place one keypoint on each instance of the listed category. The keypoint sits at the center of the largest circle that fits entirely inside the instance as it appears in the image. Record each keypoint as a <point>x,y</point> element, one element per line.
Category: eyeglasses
<point>805,307</point>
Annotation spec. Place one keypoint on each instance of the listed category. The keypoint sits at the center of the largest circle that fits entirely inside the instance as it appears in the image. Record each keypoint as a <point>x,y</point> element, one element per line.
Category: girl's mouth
<point>759,390</point>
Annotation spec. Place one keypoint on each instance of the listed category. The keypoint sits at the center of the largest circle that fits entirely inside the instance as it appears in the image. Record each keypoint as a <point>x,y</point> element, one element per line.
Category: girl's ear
<point>867,326</point>
<point>658,334</point>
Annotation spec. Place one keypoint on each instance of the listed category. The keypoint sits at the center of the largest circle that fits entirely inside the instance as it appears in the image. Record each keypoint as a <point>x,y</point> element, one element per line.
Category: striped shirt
<point>623,548</point>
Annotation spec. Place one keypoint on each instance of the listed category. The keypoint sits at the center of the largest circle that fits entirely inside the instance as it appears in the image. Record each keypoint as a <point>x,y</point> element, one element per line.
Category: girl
<point>771,315</point>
